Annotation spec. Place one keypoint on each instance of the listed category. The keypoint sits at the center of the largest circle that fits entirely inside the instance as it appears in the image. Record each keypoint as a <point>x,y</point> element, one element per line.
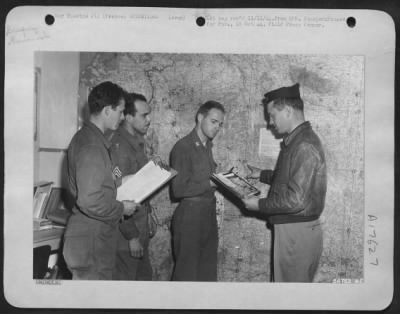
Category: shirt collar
<point>135,140</point>
<point>289,138</point>
<point>196,140</point>
<point>92,127</point>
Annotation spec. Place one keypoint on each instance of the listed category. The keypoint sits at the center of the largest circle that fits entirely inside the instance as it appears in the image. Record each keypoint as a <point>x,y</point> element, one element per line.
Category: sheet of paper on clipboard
<point>144,182</point>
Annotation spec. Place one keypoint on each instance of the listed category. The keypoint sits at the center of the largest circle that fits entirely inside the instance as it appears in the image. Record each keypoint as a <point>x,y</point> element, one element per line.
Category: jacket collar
<point>196,140</point>
<point>136,141</point>
<point>100,135</point>
<point>289,138</point>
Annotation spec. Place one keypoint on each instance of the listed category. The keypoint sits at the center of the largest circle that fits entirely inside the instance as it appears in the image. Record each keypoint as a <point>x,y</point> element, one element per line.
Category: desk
<point>52,238</point>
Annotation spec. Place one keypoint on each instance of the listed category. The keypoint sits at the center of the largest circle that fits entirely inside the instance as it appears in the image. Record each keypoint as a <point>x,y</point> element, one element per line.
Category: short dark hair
<point>130,99</point>
<point>207,106</point>
<point>295,103</point>
<point>103,95</point>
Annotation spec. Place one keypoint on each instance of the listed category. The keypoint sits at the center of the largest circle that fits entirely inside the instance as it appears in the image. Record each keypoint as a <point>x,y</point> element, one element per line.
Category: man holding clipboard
<point>91,234</point>
<point>128,153</point>
<point>296,198</point>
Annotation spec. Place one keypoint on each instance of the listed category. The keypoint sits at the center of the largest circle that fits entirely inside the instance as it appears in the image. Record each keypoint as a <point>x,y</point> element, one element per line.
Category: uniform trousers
<point>128,267</point>
<point>90,248</point>
<point>297,250</point>
<point>195,240</point>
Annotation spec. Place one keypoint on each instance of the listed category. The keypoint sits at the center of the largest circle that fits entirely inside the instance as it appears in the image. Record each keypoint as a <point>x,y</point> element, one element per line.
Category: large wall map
<point>332,88</point>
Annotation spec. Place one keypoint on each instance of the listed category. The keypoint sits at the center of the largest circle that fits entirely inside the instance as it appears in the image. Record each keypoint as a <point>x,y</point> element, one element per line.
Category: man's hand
<point>255,172</point>
<point>251,203</point>
<point>135,248</point>
<point>130,207</point>
<point>159,162</point>
<point>212,184</point>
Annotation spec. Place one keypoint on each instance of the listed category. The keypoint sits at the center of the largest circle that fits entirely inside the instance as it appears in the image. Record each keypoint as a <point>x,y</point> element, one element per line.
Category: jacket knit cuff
<point>261,204</point>
<point>265,176</point>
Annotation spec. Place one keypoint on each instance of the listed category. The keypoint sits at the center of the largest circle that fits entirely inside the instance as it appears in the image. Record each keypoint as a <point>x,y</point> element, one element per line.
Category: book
<point>235,184</point>
<point>41,195</point>
<point>145,182</point>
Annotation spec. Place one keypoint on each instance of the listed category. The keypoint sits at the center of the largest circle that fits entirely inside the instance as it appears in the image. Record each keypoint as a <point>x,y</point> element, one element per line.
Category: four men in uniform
<point>108,239</point>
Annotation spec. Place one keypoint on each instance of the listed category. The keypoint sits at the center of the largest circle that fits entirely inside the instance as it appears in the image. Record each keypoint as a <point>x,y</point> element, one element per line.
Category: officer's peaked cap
<point>283,92</point>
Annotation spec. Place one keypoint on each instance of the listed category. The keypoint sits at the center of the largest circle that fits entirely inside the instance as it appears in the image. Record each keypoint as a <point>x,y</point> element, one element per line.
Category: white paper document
<point>143,183</point>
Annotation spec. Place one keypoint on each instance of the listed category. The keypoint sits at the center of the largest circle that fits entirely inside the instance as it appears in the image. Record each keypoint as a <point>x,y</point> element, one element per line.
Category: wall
<point>332,88</point>
<point>57,112</point>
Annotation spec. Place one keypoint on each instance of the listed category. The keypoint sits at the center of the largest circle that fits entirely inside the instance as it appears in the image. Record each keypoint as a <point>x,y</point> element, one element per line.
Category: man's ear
<point>128,117</point>
<point>106,110</point>
<point>200,117</point>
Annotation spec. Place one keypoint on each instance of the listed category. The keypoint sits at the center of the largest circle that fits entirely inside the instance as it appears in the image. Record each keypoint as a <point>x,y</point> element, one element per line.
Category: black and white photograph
<point>174,87</point>
<point>125,139</point>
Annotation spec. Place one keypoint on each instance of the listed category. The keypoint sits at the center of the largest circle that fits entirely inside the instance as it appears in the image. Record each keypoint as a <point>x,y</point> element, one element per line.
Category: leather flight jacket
<point>298,183</point>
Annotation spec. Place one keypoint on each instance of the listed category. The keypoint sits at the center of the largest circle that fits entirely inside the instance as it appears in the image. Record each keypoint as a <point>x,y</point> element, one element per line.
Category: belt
<point>200,198</point>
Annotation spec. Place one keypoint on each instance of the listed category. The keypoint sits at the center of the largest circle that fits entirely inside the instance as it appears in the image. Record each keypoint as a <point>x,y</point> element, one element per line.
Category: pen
<point>228,172</point>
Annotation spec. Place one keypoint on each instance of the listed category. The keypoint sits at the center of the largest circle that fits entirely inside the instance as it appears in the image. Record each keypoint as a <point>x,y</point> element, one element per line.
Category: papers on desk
<point>235,184</point>
<point>144,182</point>
<point>44,224</point>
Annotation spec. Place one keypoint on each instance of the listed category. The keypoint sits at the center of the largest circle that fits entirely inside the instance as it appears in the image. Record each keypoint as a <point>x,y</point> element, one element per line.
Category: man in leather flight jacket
<point>296,198</point>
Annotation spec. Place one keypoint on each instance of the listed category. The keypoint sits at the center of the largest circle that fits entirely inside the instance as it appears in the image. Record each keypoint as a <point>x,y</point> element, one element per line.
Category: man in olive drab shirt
<point>128,152</point>
<point>91,234</point>
<point>195,233</point>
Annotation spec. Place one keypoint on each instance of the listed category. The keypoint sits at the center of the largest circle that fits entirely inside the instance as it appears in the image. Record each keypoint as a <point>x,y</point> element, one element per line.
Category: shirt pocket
<point>200,170</point>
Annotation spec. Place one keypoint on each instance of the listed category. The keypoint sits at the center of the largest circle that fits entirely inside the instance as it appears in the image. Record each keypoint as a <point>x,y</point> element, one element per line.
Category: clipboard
<point>235,184</point>
<point>145,182</point>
